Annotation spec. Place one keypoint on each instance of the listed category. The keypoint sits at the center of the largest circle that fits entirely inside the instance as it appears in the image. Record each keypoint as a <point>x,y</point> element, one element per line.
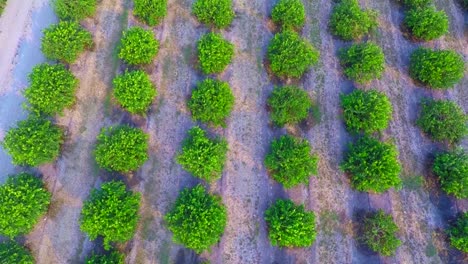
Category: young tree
<point>349,22</point>
<point>150,11</point>
<point>290,161</point>
<point>289,14</point>
<point>373,165</point>
<point>13,253</point>
<point>202,156</point>
<point>214,53</point>
<point>452,169</point>
<point>111,212</point>
<point>366,111</point>
<point>211,102</point>
<point>65,41</point>
<point>134,91</point>
<point>75,10</point>
<point>443,120</point>
<point>426,23</point>
<point>138,46</point>
<point>23,201</point>
<point>363,62</point>
<point>33,142</point>
<point>439,69</point>
<point>290,55</point>
<point>197,219</point>
<point>52,89</point>
<point>290,225</point>
<point>121,148</point>
<point>379,233</point>
<point>289,105</point>
<point>216,13</point>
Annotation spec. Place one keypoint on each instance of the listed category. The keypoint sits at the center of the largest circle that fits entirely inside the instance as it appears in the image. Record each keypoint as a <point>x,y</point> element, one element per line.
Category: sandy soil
<point>421,212</point>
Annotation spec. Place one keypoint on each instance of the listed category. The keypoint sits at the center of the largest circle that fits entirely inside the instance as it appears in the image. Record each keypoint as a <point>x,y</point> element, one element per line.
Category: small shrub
<point>110,212</point>
<point>121,148</point>
<point>380,233</point>
<point>214,53</point>
<point>134,91</point>
<point>212,102</point>
<point>290,55</point>
<point>13,253</point>
<point>217,13</point>
<point>75,10</point>
<point>197,219</point>
<point>373,165</point>
<point>416,3</point>
<point>65,41</point>
<point>201,156</point>
<point>366,111</point>
<point>289,105</point>
<point>458,233</point>
<point>349,22</point>
<point>427,23</point>
<point>443,120</point>
<point>33,142</point>
<point>440,69</point>
<point>23,201</point>
<point>290,225</point>
<point>138,46</point>
<point>290,161</point>
<point>452,170</point>
<point>363,62</point>
<point>290,14</point>
<point>113,257</point>
<point>52,89</point>
<point>150,11</point>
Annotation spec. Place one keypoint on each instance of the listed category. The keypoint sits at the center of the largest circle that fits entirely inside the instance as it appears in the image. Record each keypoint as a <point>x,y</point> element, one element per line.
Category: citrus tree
<point>216,13</point>
<point>33,142</point>
<point>349,22</point>
<point>134,91</point>
<point>197,219</point>
<point>138,46</point>
<point>214,53</point>
<point>13,253</point>
<point>458,233</point>
<point>23,201</point>
<point>426,23</point>
<point>416,3</point>
<point>150,11</point>
<point>452,169</point>
<point>289,105</point>
<point>110,212</point>
<point>379,233</point>
<point>363,62</point>
<point>289,14</point>
<point>75,10</point>
<point>112,257</point>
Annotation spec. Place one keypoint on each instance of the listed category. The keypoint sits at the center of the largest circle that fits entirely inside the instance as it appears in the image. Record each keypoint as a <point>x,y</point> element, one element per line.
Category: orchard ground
<point>421,211</point>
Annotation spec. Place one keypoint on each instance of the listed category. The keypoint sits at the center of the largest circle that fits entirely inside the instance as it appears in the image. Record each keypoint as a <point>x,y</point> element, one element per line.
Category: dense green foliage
<point>217,13</point>
<point>13,253</point>
<point>427,23</point>
<point>150,11</point>
<point>290,55</point>
<point>363,62</point>
<point>65,41</point>
<point>290,14</point>
<point>138,46</point>
<point>211,102</point>
<point>380,233</point>
<point>373,165</point>
<point>202,156</point>
<point>349,22</point>
<point>289,105</point>
<point>23,200</point>
<point>214,53</point>
<point>458,233</point>
<point>440,69</point>
<point>110,212</point>
<point>366,111</point>
<point>290,161</point>
<point>2,5</point>
<point>197,219</point>
<point>113,257</point>
<point>75,10</point>
<point>443,120</point>
<point>52,89</point>
<point>290,225</point>
<point>416,3</point>
<point>33,142</point>
<point>134,91</point>
<point>452,170</point>
<point>121,148</point>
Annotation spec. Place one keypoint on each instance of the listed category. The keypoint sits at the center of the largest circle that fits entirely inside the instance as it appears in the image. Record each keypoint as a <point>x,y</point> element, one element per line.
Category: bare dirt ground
<point>421,211</point>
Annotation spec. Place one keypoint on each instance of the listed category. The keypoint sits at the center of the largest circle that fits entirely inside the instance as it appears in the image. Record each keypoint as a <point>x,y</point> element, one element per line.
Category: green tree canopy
<point>349,22</point>
<point>452,169</point>
<point>289,14</point>
<point>138,46</point>
<point>458,233</point>
<point>426,23</point>
<point>214,53</point>
<point>380,233</point>
<point>289,105</point>
<point>112,257</point>
<point>75,10</point>
<point>216,13</point>
<point>363,62</point>
<point>13,253</point>
<point>150,11</point>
